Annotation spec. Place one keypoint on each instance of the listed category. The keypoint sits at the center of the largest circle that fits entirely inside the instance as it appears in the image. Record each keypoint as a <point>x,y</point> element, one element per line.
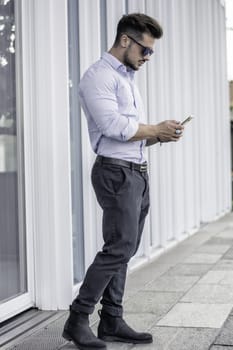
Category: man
<point>118,135</point>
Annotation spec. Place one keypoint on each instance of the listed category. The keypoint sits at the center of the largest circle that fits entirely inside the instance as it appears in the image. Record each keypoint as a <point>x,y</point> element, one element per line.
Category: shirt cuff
<point>130,130</point>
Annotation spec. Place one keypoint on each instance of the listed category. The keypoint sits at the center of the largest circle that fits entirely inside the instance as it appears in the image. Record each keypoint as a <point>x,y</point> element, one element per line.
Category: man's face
<point>134,56</point>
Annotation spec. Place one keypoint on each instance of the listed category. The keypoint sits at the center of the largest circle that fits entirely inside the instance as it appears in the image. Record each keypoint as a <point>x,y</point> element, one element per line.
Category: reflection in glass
<point>12,237</point>
<point>75,137</point>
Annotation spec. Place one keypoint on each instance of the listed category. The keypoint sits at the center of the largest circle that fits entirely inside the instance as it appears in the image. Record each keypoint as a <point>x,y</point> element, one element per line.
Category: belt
<point>124,163</point>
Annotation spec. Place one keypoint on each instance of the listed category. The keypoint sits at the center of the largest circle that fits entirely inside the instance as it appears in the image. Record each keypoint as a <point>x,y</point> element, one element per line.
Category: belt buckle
<point>143,168</point>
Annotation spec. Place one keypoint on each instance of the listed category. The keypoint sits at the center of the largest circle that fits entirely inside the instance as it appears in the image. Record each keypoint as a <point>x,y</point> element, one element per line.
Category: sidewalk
<point>184,298</point>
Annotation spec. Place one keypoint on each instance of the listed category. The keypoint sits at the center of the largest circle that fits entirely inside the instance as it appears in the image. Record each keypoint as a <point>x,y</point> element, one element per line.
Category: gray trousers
<point>123,194</point>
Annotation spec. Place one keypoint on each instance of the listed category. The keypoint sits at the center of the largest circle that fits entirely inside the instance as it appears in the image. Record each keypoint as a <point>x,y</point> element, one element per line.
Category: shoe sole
<point>66,336</point>
<point>109,338</point>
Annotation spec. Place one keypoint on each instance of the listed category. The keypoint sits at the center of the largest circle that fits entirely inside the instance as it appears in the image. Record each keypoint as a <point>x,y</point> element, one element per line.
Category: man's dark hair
<point>137,24</point>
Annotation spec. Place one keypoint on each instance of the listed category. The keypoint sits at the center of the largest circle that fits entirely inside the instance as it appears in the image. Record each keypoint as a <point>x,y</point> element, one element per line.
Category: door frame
<point>15,305</point>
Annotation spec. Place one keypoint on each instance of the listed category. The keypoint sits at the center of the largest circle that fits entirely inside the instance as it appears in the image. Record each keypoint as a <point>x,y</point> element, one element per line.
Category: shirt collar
<point>117,65</point>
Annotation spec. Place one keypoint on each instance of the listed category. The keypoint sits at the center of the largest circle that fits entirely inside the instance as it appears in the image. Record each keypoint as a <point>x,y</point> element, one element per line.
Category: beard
<point>128,63</point>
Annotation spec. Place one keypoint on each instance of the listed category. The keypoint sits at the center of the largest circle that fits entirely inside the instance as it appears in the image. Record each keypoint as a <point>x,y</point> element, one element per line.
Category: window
<point>12,233</point>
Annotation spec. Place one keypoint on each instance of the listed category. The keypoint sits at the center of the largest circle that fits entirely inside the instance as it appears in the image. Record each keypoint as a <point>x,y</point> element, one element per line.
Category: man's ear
<point>124,41</point>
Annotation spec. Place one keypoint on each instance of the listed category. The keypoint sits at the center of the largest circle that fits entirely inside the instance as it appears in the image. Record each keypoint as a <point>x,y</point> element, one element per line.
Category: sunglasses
<point>146,51</point>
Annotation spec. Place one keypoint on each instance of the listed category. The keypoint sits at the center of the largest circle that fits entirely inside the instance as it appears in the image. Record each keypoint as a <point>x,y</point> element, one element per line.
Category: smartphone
<point>190,117</point>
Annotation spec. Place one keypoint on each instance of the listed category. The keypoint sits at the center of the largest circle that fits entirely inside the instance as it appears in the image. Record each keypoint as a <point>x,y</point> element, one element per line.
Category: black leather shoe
<point>113,329</point>
<point>77,329</point>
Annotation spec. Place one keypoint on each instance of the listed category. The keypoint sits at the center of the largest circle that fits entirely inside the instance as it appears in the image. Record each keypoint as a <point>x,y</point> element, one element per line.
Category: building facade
<point>50,221</point>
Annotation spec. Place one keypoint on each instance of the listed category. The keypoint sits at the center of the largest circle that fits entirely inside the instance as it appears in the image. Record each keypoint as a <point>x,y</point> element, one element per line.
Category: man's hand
<point>166,131</point>
<point>169,130</point>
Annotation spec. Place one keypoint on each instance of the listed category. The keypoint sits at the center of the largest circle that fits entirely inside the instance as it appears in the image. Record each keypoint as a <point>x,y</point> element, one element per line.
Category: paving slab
<point>142,321</point>
<point>213,248</point>
<point>223,264</point>
<point>227,218</point>
<point>175,255</point>
<point>171,338</point>
<point>158,311</point>
<point>136,281</point>
<point>168,283</point>
<point>152,302</point>
<point>219,240</point>
<point>189,269</point>
<point>68,346</point>
<point>216,227</point>
<point>227,233</point>
<point>110,346</point>
<point>193,339</point>
<point>203,258</point>
<point>162,337</point>
<point>196,240</point>
<point>209,294</point>
<point>221,347</point>
<point>120,346</point>
<point>229,254</point>
<point>226,335</point>
<point>217,277</point>
<point>196,315</point>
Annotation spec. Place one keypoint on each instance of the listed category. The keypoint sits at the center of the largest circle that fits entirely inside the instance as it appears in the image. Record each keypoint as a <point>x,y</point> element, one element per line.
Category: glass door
<point>13,261</point>
<point>75,134</point>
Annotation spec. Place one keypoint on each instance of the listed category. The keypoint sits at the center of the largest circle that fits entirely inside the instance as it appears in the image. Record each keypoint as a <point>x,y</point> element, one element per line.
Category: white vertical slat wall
<point>90,42</point>
<point>190,180</point>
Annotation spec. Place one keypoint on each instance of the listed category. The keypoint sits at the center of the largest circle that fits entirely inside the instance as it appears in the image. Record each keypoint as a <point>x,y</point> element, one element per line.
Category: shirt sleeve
<point>98,95</point>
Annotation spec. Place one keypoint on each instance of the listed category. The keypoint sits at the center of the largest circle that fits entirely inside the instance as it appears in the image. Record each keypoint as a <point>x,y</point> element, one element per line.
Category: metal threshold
<point>24,325</point>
